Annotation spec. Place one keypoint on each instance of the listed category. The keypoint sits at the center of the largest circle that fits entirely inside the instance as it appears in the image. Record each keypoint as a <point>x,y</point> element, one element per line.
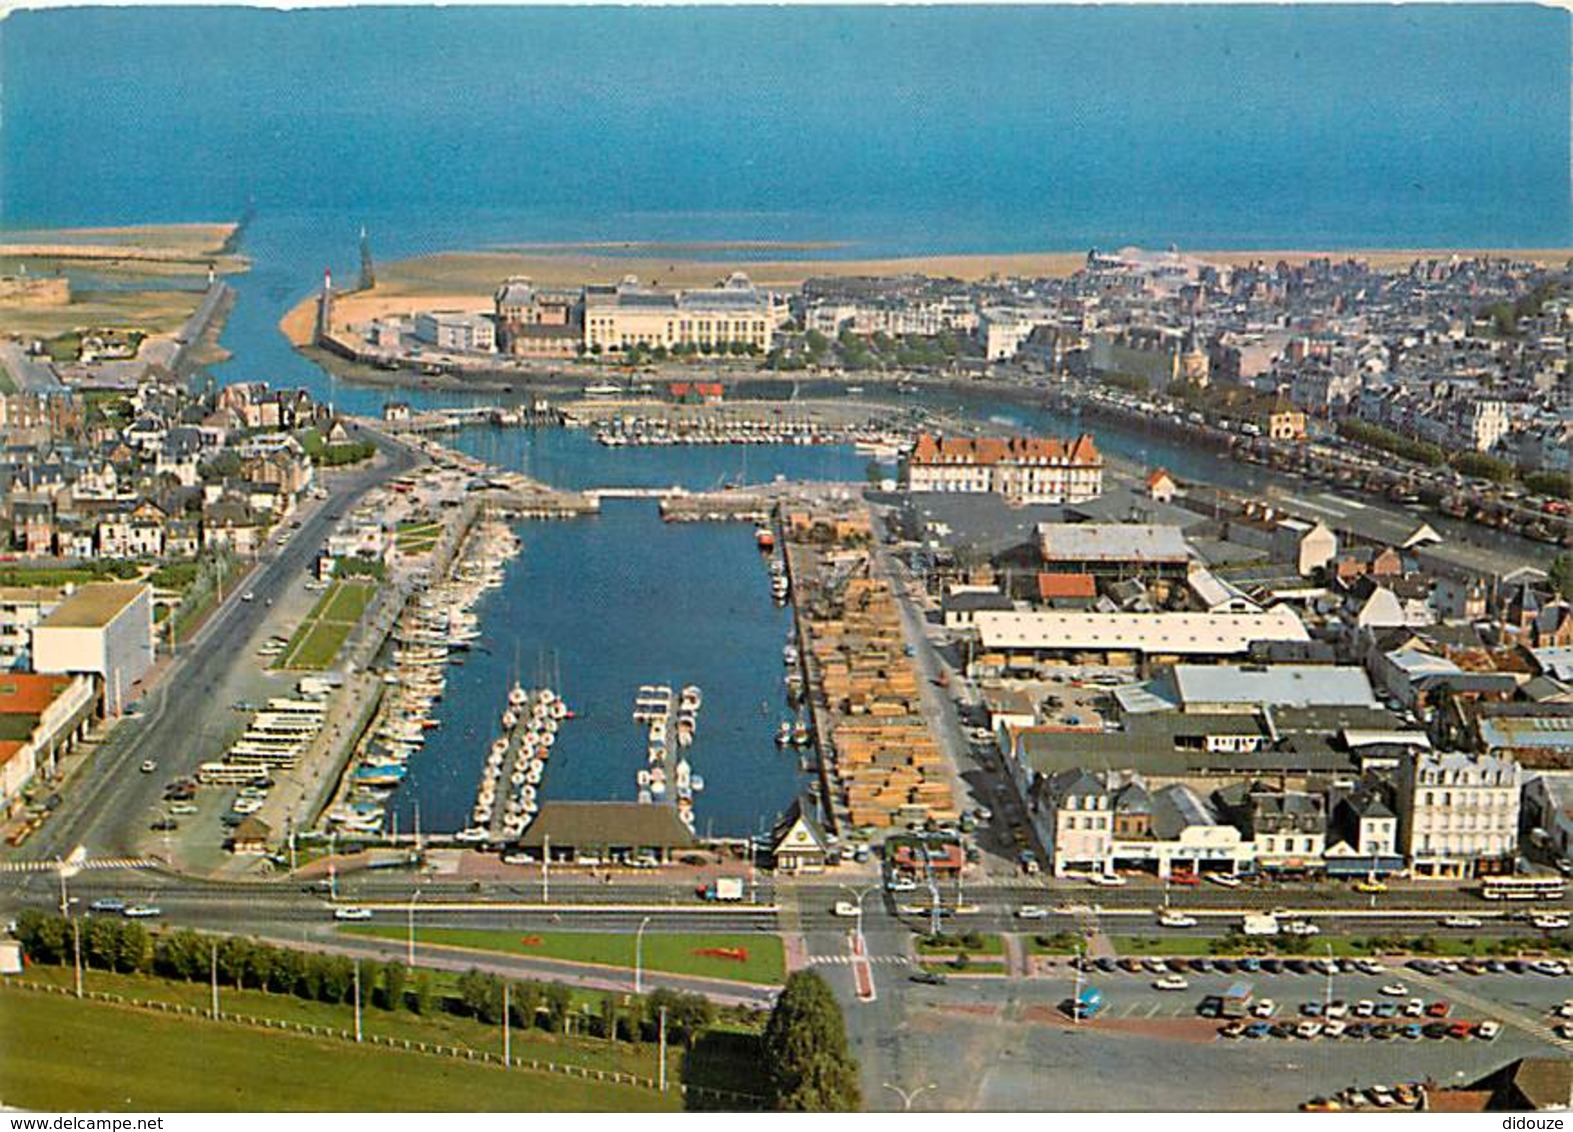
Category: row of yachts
<point>508,797</point>
<point>437,626</point>
<point>670,721</point>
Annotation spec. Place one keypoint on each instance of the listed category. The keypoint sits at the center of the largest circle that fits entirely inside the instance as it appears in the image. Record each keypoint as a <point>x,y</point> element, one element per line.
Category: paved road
<point>106,809</point>
<point>33,375</point>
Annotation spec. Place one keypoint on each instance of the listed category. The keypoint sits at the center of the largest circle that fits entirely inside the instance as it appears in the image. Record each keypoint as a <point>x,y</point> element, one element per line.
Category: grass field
<point>61,1053</point>
<point>418,537</point>
<point>673,952</point>
<point>992,945</point>
<point>317,641</point>
<point>439,1027</point>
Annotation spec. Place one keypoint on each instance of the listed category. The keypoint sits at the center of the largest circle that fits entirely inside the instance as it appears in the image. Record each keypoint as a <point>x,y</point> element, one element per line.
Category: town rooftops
<point>1112,542</point>
<point>965,450</point>
<point>1287,685</point>
<point>607,825</point>
<point>1066,586</point>
<point>1179,634</point>
<point>26,694</point>
<point>94,605</point>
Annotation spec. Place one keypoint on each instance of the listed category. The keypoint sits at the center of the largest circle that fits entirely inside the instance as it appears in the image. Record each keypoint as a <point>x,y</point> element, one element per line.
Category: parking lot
<point>993,1043</point>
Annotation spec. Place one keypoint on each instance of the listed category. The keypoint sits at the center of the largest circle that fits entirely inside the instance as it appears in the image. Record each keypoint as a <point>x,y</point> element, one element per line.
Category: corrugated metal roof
<point>1290,685</point>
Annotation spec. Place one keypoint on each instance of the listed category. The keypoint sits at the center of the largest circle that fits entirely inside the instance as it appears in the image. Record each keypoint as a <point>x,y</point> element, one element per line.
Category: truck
<point>1260,923</point>
<point>725,889</point>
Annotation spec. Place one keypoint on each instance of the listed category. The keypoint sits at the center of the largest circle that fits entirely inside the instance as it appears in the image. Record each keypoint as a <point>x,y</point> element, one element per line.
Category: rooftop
<point>1050,450</point>
<point>94,605</point>
<point>1112,542</point>
<point>1180,634</point>
<point>1288,685</point>
<point>584,825</point>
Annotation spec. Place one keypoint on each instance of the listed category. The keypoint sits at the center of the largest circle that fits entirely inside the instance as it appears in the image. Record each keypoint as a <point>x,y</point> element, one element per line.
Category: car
<point>1308,1030</point>
<point>165,824</point>
<point>1107,965</point>
<point>149,766</point>
<point>248,596</point>
<point>1415,1008</point>
<point>352,913</point>
<point>1441,1008</point>
<point>1338,1008</point>
<point>1386,1010</point>
<point>1272,966</point>
<point>1258,1030</point>
<point>845,908</point>
<point>1461,922</point>
<point>929,978</point>
<point>1551,967</point>
<point>1461,1030</point>
<point>1032,912</point>
<point>1224,966</point>
<point>1370,886</point>
<point>1365,1008</point>
<point>1406,1095</point>
<point>1495,966</point>
<point>1369,966</point>
<point>1311,1009</point>
<point>1550,923</point>
<point>1297,966</point>
<point>1171,983</point>
<point>183,808</point>
<point>1381,1096</point>
<point>901,884</point>
<point>141,911</point>
<point>1167,919</point>
<point>1565,1010</point>
<point>1424,966</point>
<point>1177,965</point>
<point>1488,1030</point>
<point>1382,1032</point>
<point>1436,1030</point>
<point>1232,1030</point>
<point>1188,879</point>
<point>1223,880</point>
<point>1263,1008</point>
<point>1395,990</point>
<point>1299,927</point>
<point>1250,965</point>
<point>1334,1029</point>
<point>1358,1031</point>
<point>1413,1031</point>
<point>1107,880</point>
<point>107,904</point>
<point>1201,965</point>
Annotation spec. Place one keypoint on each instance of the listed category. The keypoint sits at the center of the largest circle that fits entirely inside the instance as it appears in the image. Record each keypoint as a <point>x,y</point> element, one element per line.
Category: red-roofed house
<point>1161,486</point>
<point>1024,469</point>
<point>41,717</point>
<point>1067,591</point>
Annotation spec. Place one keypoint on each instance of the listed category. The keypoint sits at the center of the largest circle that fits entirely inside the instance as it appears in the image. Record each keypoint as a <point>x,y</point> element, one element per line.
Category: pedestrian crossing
<point>81,866</point>
<point>846,960</point>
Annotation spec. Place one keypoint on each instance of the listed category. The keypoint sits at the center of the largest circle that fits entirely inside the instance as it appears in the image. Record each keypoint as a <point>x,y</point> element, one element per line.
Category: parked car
<point>141,911</point>
<point>1171,983</point>
<point>1487,1031</point>
<point>931,978</point>
<point>352,913</point>
<point>107,904</point>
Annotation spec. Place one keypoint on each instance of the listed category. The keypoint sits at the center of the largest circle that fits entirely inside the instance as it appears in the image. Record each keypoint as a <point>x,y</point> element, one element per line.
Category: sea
<point>880,131</point>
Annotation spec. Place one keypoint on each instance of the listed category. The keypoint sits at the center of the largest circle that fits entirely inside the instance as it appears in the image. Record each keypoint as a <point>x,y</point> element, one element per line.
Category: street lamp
<point>409,957</point>
<point>858,894</point>
<point>639,951</point>
<point>907,1096</point>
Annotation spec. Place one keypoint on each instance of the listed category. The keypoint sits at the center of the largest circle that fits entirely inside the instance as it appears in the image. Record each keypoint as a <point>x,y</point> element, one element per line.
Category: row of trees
<point>110,943</point>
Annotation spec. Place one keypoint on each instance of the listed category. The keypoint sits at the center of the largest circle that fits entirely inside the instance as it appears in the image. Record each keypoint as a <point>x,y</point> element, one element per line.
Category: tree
<point>394,976</point>
<point>481,995</point>
<point>809,1067</point>
<point>133,948</point>
<point>1561,574</point>
<point>558,999</point>
<point>524,1003</point>
<point>422,998</point>
<point>44,938</point>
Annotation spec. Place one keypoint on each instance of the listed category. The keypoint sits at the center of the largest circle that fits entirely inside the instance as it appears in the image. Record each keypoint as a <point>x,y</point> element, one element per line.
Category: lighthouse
<point>325,305</point>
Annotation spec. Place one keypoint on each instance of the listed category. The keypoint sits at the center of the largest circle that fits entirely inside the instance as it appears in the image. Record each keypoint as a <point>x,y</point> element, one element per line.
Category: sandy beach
<point>465,281</point>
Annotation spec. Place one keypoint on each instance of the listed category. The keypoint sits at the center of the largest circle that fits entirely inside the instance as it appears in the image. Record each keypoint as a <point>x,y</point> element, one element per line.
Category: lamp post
<point>858,894</point>
<point>639,952</point>
<point>409,953</point>
<point>908,1095</point>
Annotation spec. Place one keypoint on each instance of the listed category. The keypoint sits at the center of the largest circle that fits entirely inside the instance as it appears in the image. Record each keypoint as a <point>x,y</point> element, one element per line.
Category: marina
<point>670,720</point>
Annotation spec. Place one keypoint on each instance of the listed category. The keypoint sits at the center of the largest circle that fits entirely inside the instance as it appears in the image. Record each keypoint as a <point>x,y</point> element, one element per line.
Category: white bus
<point>1524,888</point>
<point>231,774</point>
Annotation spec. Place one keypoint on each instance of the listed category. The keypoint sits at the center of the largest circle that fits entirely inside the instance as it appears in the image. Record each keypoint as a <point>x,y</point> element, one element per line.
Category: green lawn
<point>7,382</point>
<point>673,952</point>
<point>62,1053</point>
<point>992,944</point>
<point>316,642</point>
<point>1169,943</point>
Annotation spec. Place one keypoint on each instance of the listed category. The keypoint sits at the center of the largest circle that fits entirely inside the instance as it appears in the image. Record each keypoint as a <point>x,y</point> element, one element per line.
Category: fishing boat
<point>764,538</point>
<point>784,734</point>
